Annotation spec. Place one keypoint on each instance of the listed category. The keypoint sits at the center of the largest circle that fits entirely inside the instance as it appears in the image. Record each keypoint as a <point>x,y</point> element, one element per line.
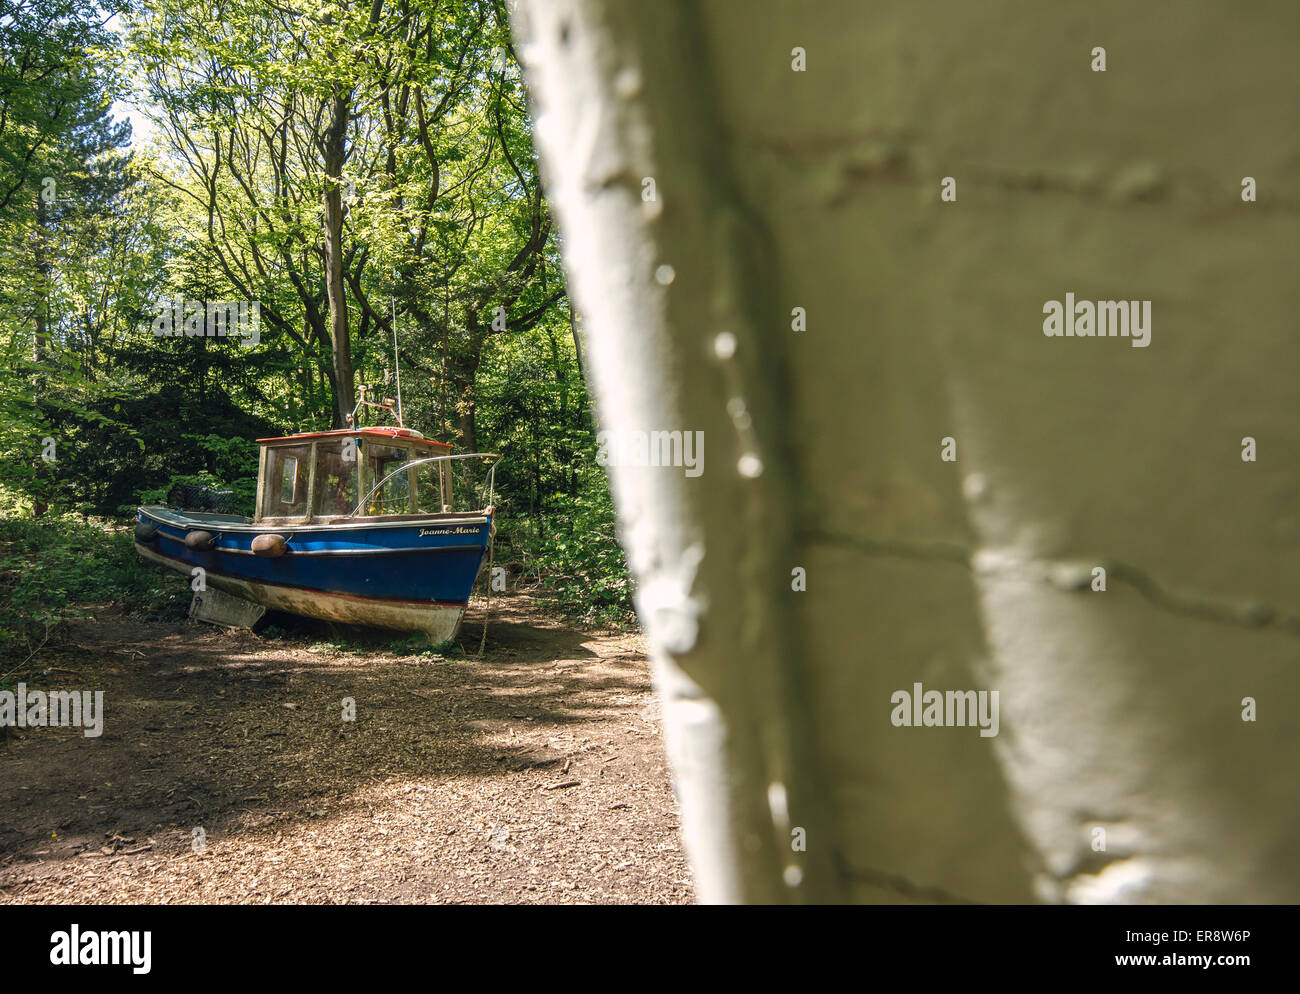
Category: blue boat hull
<point>412,575</point>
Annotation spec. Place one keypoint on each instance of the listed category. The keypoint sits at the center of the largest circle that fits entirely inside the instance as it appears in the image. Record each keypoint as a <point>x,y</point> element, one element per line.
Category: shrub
<point>53,567</point>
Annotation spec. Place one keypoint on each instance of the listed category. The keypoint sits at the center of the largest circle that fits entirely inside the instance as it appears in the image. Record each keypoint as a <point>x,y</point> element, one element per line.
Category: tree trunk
<point>462,381</point>
<point>340,337</point>
<point>40,255</point>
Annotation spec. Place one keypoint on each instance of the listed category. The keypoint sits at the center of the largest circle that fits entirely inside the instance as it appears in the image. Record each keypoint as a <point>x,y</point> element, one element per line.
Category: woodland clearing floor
<point>534,775</point>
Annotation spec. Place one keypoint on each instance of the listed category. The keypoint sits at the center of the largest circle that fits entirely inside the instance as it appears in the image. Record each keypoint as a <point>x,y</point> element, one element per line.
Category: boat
<point>354,525</point>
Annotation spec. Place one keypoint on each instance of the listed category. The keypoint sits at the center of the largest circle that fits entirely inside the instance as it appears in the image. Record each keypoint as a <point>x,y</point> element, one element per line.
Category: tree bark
<point>43,267</point>
<point>463,375</point>
<point>335,150</point>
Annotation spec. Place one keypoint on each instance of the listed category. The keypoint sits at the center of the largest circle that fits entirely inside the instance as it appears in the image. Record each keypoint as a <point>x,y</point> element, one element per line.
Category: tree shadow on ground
<point>225,730</point>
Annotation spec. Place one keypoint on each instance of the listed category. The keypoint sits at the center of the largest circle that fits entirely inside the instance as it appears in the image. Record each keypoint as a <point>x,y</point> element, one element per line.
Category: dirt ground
<point>535,775</point>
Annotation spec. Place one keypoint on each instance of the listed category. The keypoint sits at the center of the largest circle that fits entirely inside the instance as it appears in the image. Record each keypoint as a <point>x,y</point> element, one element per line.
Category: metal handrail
<point>492,474</point>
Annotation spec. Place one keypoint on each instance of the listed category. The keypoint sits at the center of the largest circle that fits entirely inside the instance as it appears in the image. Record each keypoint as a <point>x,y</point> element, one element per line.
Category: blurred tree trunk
<point>798,153</point>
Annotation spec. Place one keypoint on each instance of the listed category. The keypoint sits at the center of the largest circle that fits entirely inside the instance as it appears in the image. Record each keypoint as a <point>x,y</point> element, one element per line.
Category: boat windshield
<point>395,495</point>
<point>433,487</point>
<point>349,470</point>
<point>421,489</point>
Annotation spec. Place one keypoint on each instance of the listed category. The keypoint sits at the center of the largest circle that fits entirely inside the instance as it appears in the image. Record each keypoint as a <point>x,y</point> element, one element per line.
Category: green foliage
<point>349,641</point>
<point>572,557</point>
<point>54,71</point>
<point>234,464</point>
<point>355,168</point>
<point>244,491</point>
<point>54,567</point>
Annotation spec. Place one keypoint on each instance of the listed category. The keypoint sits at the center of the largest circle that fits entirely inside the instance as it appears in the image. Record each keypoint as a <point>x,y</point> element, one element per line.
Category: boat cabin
<point>322,476</point>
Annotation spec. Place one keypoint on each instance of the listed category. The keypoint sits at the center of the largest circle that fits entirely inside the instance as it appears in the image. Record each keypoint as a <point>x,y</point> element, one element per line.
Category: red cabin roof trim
<point>396,434</point>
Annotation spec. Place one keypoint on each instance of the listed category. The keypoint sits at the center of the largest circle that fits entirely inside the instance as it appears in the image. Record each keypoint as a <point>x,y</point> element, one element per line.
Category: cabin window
<point>337,467</point>
<point>288,479</point>
<point>285,490</point>
<point>394,495</point>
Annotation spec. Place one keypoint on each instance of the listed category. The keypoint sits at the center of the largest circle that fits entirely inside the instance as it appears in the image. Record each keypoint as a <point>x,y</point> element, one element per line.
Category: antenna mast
<point>397,369</point>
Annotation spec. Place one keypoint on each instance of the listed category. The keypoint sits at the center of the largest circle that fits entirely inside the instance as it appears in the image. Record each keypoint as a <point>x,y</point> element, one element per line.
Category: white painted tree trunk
<point>706,189</point>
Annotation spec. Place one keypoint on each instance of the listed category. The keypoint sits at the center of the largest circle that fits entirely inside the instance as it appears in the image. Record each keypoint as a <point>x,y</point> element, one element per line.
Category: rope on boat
<point>487,610</point>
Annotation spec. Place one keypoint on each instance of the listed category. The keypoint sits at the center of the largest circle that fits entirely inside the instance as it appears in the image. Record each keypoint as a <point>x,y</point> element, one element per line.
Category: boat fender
<point>269,545</point>
<point>199,541</point>
<point>145,532</point>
